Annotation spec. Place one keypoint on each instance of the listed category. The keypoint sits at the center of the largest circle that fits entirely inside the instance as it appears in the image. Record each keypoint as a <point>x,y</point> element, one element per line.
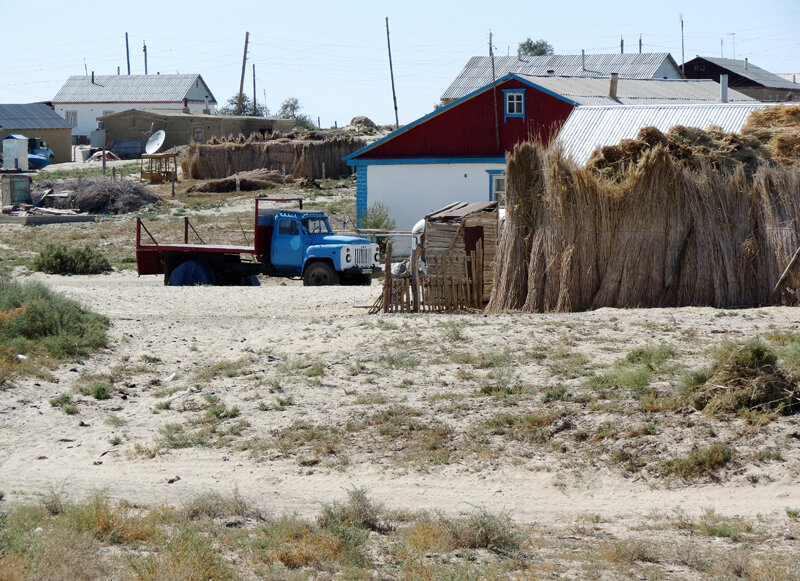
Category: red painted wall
<point>468,129</point>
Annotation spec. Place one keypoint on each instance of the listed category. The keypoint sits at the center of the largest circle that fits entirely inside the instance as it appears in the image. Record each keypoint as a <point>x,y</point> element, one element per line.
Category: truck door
<point>287,247</point>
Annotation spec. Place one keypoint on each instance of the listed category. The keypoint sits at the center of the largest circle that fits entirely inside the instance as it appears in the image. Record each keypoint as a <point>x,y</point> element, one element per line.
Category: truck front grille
<point>363,256</point>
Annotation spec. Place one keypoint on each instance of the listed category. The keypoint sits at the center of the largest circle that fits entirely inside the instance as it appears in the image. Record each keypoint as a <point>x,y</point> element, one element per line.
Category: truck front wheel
<point>320,274</point>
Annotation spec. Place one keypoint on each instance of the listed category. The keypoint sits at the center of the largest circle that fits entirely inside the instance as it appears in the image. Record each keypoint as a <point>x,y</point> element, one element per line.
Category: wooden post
<point>415,277</point>
<point>104,160</point>
<point>387,283</point>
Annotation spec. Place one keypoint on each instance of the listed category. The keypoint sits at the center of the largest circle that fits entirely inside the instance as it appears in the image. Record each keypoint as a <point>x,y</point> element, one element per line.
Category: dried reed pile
<point>778,130</point>
<point>248,181</point>
<point>300,159</point>
<point>660,230</point>
<point>101,196</point>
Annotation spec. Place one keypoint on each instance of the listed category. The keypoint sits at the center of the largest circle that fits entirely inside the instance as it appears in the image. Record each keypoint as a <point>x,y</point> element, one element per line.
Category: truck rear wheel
<point>191,273</point>
<point>320,274</point>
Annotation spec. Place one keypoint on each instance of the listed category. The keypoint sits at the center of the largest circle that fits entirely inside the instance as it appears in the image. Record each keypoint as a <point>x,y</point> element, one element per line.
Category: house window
<point>197,134</point>
<point>699,67</point>
<point>497,185</point>
<point>515,103</point>
<point>71,118</point>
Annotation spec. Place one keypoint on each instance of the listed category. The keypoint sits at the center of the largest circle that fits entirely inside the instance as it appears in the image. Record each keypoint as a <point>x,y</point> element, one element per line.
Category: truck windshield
<point>316,226</point>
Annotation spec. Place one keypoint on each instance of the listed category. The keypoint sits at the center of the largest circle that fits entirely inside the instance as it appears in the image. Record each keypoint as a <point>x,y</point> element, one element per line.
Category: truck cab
<point>301,243</point>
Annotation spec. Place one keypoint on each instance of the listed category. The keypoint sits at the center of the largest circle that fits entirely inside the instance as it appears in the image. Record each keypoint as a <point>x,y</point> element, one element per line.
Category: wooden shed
<point>462,230</point>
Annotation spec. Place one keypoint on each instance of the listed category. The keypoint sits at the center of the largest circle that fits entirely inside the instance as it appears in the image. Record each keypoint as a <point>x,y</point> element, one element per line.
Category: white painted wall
<point>411,191</point>
<point>88,113</point>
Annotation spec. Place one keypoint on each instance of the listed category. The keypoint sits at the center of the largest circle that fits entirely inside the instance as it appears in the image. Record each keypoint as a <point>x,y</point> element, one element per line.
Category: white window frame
<point>514,104</point>
<point>71,117</point>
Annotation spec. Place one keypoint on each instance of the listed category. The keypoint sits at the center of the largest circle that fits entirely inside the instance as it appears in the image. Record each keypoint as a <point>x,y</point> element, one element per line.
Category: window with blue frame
<point>515,103</point>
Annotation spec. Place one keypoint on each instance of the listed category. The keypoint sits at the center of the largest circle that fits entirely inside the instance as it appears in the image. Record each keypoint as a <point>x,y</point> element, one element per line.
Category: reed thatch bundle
<point>778,129</point>
<point>300,159</point>
<point>248,181</point>
<point>663,230</point>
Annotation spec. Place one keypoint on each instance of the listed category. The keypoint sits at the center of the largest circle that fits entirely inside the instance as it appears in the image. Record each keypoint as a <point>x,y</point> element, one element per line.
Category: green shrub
<point>37,321</point>
<point>699,463</point>
<point>59,259</point>
<point>377,218</point>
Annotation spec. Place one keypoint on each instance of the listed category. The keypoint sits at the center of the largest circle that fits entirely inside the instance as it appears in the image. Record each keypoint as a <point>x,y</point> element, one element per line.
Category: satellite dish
<point>155,142</point>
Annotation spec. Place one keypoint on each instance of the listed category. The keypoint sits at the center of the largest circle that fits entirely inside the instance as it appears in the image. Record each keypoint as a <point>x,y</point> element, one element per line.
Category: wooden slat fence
<point>454,283</point>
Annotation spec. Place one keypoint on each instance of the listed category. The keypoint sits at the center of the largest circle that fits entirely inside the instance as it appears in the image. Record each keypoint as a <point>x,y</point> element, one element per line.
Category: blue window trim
<point>508,115</point>
<point>492,174</point>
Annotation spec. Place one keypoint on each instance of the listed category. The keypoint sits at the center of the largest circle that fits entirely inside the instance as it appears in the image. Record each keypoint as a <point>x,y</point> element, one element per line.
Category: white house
<point>82,99</point>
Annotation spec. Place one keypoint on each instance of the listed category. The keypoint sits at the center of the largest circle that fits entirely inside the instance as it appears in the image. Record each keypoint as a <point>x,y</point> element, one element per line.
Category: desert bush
<point>187,556</point>
<point>215,505</point>
<point>59,259</point>
<point>37,321</point>
<point>700,462</point>
<point>482,529</point>
<point>743,377</point>
<point>357,511</point>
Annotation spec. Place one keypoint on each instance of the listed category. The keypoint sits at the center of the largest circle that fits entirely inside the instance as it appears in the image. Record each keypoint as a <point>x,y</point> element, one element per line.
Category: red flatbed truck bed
<point>225,260</point>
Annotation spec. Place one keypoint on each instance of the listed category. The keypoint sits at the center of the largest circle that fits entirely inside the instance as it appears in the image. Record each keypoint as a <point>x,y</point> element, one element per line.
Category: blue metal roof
<point>30,116</point>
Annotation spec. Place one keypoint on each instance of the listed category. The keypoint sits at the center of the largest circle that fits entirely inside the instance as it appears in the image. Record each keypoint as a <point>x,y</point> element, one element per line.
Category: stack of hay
<point>665,221</point>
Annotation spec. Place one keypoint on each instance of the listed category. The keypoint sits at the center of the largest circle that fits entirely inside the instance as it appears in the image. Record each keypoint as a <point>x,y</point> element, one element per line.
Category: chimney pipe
<point>723,88</point>
<point>583,60</point>
<point>612,89</point>
<point>93,77</point>
<point>745,63</point>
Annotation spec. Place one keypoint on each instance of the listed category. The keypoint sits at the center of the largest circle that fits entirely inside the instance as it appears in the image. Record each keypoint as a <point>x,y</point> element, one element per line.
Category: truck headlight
<point>348,258</point>
<point>377,256</point>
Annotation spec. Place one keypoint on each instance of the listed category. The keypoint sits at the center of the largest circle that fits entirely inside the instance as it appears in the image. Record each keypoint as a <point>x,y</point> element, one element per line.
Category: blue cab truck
<point>288,243</point>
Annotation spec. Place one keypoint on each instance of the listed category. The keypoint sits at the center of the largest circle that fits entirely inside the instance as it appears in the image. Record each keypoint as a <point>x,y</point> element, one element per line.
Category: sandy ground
<point>162,337</point>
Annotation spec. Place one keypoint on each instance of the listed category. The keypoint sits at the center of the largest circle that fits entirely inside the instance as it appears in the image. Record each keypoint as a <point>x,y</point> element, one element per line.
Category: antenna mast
<point>494,94</point>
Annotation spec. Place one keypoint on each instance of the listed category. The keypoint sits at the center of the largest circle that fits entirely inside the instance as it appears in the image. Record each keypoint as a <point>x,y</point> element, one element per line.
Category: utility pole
<point>391,74</point>
<point>640,44</point>
<point>683,57</point>
<point>144,44</point>
<point>733,42</point>
<point>254,90</point>
<point>494,94</point>
<point>127,53</point>
<point>241,82</point>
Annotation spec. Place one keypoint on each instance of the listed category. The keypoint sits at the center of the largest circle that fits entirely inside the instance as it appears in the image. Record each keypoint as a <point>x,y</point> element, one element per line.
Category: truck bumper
<point>356,270</point>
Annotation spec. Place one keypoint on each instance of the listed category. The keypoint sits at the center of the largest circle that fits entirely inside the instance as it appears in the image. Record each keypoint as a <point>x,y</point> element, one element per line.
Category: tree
<point>247,107</point>
<point>535,47</point>
<point>290,109</point>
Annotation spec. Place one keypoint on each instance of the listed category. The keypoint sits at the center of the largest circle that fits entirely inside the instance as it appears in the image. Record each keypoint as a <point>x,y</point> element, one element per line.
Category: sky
<point>332,56</point>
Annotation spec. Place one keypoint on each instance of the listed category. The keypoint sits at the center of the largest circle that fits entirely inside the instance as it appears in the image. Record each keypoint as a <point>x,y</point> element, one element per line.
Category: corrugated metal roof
<point>635,91</point>
<point>30,116</point>
<point>478,70</point>
<point>459,210</point>
<point>752,72</point>
<point>127,89</point>
<point>588,128</point>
